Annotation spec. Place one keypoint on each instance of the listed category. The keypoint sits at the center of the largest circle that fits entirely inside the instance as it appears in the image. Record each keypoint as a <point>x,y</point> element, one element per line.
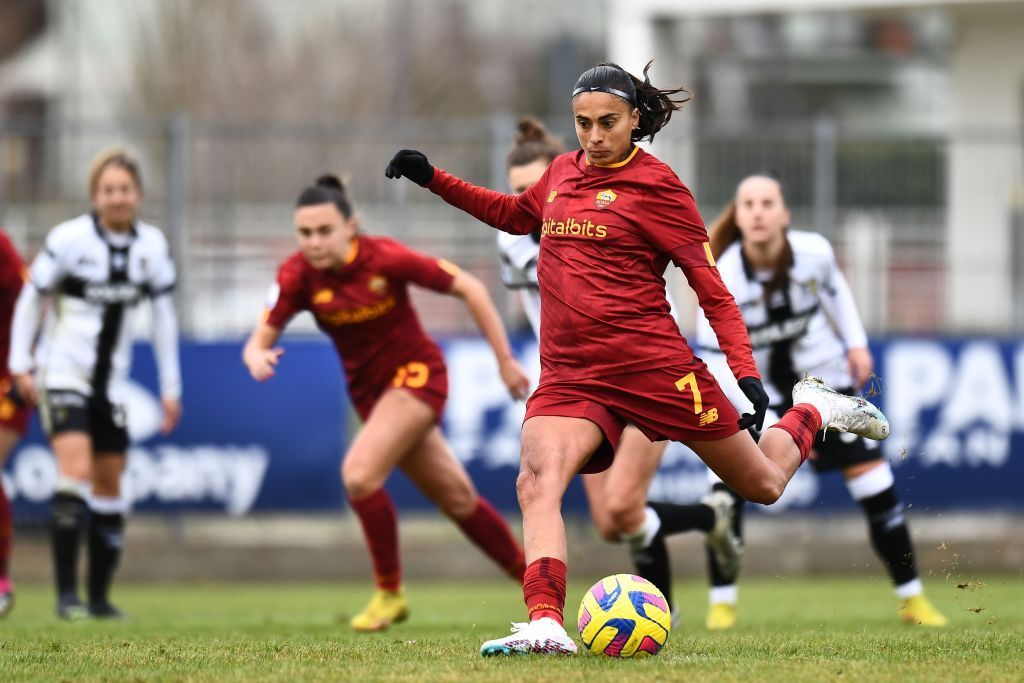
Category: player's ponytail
<point>723,231</point>
<point>328,189</point>
<point>533,142</point>
<point>654,104</point>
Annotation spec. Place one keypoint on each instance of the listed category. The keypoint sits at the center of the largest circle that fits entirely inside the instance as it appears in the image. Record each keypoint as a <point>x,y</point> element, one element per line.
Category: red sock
<point>802,422</point>
<point>489,531</point>
<point>6,533</point>
<point>380,527</point>
<point>544,589</point>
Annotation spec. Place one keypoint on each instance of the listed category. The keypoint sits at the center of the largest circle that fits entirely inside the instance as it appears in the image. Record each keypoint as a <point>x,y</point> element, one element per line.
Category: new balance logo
<point>708,417</point>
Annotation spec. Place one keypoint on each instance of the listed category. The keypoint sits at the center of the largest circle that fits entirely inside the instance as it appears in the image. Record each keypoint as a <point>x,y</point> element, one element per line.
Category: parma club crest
<point>605,198</point>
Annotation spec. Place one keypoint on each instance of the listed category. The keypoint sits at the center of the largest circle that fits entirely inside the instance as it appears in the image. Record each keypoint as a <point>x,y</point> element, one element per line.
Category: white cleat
<point>722,539</point>
<point>842,413</point>
<point>544,636</point>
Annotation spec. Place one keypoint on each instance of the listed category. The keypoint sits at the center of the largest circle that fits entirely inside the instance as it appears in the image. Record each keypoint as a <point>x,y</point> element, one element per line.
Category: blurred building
<point>895,125</point>
<point>912,112</point>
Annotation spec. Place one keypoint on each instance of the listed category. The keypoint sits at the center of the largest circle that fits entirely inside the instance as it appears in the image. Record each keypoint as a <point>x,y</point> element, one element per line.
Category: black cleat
<point>71,608</point>
<point>104,610</point>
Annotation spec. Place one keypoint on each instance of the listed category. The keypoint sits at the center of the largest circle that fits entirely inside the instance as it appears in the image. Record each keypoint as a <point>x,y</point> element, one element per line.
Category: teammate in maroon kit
<point>611,218</point>
<point>14,413</point>
<point>356,287</point>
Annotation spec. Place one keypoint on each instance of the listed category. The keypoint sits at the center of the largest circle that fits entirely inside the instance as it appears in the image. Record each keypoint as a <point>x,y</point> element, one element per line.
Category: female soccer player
<point>611,218</point>
<point>97,268</point>
<point>14,413</point>
<point>356,286</point>
<point>617,496</point>
<point>802,320</point>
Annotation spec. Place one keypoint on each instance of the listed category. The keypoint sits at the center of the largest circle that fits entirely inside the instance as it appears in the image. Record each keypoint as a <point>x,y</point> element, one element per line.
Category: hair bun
<point>332,181</point>
<point>530,129</point>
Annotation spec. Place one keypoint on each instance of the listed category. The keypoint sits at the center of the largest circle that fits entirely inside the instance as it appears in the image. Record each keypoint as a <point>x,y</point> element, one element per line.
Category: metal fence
<point>224,194</point>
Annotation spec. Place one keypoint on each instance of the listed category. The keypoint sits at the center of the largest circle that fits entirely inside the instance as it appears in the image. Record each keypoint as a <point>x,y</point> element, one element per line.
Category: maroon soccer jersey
<point>12,276</point>
<point>607,235</point>
<point>364,308</point>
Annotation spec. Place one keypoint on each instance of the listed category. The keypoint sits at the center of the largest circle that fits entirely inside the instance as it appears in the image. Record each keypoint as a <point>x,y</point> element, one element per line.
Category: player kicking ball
<point>611,218</point>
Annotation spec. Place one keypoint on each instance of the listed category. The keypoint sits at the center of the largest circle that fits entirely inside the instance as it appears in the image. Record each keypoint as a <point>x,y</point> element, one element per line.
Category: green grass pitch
<point>790,630</point>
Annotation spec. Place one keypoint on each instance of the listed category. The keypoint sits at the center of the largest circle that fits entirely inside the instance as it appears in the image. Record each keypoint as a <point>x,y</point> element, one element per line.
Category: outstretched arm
<point>516,214</point>
<point>478,301</point>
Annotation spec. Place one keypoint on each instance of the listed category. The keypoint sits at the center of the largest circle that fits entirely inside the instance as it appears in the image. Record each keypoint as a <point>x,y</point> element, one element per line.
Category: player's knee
<point>459,502</point>
<point>605,526</point>
<point>359,482</point>
<point>625,514</point>
<point>529,484</point>
<point>764,490</point>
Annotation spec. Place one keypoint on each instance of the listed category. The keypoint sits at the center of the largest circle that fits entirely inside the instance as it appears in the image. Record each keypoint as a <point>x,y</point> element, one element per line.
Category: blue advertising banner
<point>956,409</point>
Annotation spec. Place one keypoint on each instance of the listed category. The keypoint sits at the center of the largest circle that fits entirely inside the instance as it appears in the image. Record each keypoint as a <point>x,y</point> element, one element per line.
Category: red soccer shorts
<point>426,379</point>
<point>682,403</point>
<point>14,415</point>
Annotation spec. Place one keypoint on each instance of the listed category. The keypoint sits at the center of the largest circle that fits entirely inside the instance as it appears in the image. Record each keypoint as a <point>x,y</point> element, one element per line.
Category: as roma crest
<point>605,198</point>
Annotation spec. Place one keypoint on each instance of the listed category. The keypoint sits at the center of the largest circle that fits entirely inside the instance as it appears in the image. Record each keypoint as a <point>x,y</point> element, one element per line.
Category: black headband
<point>603,88</point>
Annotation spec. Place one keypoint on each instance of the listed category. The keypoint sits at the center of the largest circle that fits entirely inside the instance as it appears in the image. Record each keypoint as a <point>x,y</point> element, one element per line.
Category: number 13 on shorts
<point>412,375</point>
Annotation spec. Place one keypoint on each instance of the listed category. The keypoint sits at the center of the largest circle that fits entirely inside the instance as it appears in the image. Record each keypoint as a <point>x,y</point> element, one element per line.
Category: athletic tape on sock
<point>871,483</point>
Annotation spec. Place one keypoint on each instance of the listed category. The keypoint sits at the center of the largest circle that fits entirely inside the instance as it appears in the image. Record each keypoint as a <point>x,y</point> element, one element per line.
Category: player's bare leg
<point>105,531</point>
<point>435,470</point>
<point>618,506</point>
<point>553,451</point>
<point>8,439</point>
<point>73,451</point>
<point>399,422</point>
<point>759,472</point>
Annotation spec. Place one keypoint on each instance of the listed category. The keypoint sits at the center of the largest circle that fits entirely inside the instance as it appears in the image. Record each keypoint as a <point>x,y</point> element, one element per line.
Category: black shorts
<point>70,411</point>
<point>836,451</point>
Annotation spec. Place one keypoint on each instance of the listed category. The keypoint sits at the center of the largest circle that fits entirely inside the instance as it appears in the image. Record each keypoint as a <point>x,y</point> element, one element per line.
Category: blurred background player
<point>98,268</point>
<point>612,216</point>
<point>14,412</point>
<point>802,320</point>
<point>617,497</point>
<point>356,287</point>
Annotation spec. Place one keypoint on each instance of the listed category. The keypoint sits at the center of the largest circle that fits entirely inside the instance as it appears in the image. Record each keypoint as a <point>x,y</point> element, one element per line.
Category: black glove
<point>411,164</point>
<point>752,389</point>
<point>535,236</point>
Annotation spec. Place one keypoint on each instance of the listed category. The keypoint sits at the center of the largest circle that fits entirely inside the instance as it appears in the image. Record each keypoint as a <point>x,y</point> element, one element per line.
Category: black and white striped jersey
<point>96,279</point>
<point>813,322</point>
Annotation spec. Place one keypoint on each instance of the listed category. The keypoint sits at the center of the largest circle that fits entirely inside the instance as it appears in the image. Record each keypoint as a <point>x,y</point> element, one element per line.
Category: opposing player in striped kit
<point>98,268</point>
<point>802,320</point>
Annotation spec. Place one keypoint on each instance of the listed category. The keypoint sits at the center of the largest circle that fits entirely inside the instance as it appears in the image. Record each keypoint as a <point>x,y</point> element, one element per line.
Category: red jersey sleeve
<point>515,214</point>
<point>674,226</point>
<point>12,272</point>
<point>407,264</point>
<point>287,295</point>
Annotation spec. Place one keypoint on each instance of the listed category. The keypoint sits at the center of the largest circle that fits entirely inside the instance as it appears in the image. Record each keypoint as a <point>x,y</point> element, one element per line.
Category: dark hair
<point>532,142</point>
<point>328,190</point>
<point>724,231</point>
<point>655,105</point>
<point>113,157</point>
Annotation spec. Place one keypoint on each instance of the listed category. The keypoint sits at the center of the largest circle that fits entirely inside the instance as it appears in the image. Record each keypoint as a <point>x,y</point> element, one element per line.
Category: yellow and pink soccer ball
<point>624,616</point>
